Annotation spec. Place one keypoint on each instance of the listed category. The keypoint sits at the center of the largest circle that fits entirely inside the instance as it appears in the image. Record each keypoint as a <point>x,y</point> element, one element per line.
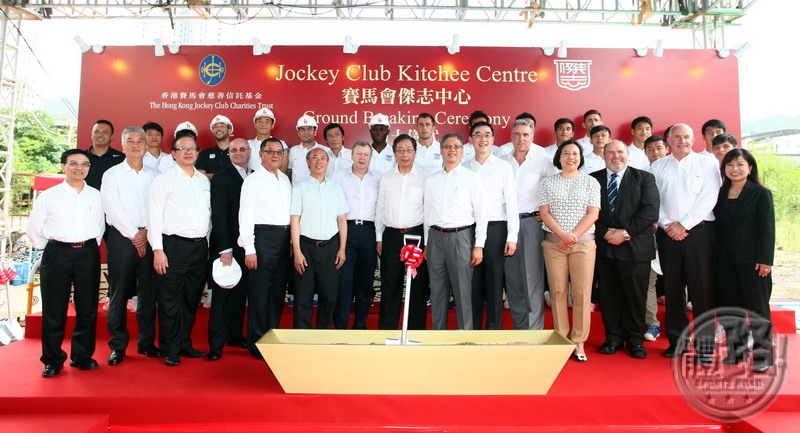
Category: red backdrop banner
<point>129,86</point>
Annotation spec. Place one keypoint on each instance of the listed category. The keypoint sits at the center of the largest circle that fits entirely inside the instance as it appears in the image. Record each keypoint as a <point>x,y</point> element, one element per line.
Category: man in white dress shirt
<point>455,222</point>
<point>591,119</point>
<point>400,212</point>
<point>524,271</point>
<point>319,237</point>
<point>429,156</point>
<point>360,187</point>
<point>600,135</point>
<point>564,131</point>
<point>383,156</point>
<point>688,184</point>
<point>711,129</point>
<point>641,130</point>
<point>154,158</point>
<point>307,131</point>
<point>130,259</point>
<point>502,228</point>
<point>67,223</point>
<point>339,157</point>
<point>179,218</point>
<point>264,122</point>
<point>264,235</point>
<point>508,148</point>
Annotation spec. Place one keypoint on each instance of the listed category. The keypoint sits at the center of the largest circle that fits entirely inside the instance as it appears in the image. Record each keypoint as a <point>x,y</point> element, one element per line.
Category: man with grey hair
<point>130,259</point>
<point>319,237</point>
<point>525,269</point>
<point>688,184</point>
<point>360,187</point>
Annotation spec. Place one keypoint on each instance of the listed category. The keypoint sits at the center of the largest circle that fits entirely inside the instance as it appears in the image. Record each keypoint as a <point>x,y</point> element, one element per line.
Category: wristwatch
<point>626,235</point>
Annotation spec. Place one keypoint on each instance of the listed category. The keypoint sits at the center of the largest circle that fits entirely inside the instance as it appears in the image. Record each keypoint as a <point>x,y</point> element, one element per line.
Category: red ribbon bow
<point>411,255</point>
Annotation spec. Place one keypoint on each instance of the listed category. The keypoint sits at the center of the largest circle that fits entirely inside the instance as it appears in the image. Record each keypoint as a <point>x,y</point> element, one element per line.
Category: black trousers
<point>689,263</point>
<point>129,275</point>
<point>321,273</point>
<point>266,290</point>
<point>738,285</point>
<point>62,268</point>
<point>179,292</point>
<point>356,276</point>
<point>393,274</point>
<point>226,318</point>
<point>623,296</point>
<point>488,279</point>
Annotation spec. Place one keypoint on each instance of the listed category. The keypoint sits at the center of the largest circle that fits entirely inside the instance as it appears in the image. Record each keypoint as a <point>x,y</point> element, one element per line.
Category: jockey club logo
<point>573,75</point>
<point>212,70</point>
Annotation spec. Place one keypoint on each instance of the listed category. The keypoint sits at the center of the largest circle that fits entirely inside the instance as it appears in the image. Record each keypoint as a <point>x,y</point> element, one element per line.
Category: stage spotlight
<point>562,50</point>
<point>98,49</point>
<point>739,52</point>
<point>259,48</point>
<point>159,47</point>
<point>82,45</point>
<point>548,51</point>
<point>349,47</point>
<point>174,48</point>
<point>454,46</point>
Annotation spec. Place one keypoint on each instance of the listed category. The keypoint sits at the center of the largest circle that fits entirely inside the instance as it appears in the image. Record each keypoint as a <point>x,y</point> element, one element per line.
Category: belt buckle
<point>403,230</point>
<point>359,222</point>
<point>77,245</point>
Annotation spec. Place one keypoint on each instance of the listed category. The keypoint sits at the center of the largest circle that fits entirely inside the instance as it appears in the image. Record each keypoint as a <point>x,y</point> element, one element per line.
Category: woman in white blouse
<point>569,205</point>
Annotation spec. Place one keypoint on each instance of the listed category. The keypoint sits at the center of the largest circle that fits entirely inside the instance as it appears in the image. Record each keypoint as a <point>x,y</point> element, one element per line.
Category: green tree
<point>38,143</point>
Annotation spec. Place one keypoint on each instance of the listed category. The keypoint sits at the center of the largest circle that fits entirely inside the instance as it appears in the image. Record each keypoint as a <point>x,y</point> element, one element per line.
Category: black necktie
<point>612,192</point>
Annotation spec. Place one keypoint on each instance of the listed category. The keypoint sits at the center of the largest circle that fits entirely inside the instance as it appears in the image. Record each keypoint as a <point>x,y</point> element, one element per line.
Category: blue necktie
<point>612,192</point>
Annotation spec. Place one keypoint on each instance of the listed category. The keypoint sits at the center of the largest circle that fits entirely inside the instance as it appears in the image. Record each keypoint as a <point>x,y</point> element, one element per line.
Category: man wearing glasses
<point>67,222</point>
<point>226,319</point>
<point>455,223</point>
<point>179,214</point>
<point>502,228</point>
<point>264,235</point>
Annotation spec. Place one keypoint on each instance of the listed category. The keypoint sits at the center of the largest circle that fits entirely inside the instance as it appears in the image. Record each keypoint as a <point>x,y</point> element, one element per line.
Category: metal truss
<point>9,25</point>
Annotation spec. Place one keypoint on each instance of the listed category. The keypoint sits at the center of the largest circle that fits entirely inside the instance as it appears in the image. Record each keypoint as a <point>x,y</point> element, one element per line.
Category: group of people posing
<point>578,216</point>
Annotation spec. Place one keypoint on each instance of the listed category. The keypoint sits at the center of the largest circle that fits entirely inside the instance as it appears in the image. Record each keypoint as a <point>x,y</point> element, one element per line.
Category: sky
<point>767,83</point>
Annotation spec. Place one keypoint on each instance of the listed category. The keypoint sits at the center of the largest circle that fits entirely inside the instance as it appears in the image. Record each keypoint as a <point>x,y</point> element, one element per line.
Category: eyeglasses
<point>451,146</point>
<point>185,149</point>
<point>478,135</point>
<point>273,152</point>
<point>239,150</point>
<point>78,164</point>
<point>401,151</point>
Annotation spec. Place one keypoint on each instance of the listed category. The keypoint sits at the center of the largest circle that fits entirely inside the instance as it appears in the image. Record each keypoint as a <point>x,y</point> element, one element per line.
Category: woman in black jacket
<point>745,221</point>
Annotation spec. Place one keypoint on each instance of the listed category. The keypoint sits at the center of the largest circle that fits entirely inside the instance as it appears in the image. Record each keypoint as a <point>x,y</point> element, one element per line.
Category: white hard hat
<point>306,120</point>
<point>264,112</point>
<point>221,119</point>
<point>226,276</point>
<point>379,119</point>
<point>185,126</point>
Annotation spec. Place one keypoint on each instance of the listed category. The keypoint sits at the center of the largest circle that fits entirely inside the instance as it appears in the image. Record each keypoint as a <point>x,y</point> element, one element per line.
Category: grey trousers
<point>449,256</point>
<point>525,277</point>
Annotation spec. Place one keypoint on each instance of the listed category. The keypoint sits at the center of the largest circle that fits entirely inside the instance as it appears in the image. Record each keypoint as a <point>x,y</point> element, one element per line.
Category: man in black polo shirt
<point>214,159</point>
<point>101,155</point>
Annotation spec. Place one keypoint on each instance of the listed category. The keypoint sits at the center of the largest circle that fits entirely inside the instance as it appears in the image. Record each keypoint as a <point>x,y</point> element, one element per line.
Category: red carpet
<point>239,393</point>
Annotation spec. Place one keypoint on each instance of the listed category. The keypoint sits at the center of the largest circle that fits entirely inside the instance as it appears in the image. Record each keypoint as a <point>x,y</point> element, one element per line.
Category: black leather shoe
<point>704,359</point>
<point>637,351</point>
<point>192,353</point>
<point>673,351</point>
<point>150,351</point>
<point>116,357</point>
<point>214,354</point>
<point>172,361</point>
<point>610,347</point>
<point>238,342</point>
<point>51,370</point>
<point>761,365</point>
<point>85,364</point>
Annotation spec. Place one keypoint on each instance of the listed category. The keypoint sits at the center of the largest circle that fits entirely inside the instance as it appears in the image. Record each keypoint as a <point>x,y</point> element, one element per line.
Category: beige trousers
<point>575,265</point>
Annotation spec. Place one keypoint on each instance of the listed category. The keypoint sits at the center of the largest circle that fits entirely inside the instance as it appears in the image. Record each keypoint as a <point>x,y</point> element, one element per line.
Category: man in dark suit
<point>226,319</point>
<point>625,247</point>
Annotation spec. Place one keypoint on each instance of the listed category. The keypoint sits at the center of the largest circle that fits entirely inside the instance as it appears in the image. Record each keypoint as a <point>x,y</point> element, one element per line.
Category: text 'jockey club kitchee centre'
<point>128,86</point>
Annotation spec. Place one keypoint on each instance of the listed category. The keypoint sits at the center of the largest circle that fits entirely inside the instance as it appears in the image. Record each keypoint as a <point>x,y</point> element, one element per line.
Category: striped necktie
<point>612,192</point>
